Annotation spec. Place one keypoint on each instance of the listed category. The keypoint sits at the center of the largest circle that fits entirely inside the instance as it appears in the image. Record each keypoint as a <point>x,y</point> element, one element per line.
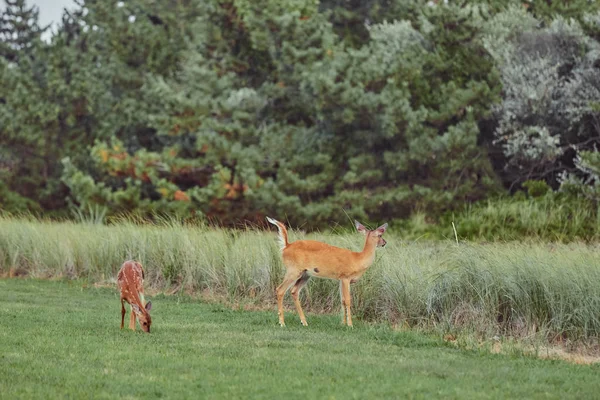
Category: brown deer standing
<point>305,258</point>
<point>131,286</point>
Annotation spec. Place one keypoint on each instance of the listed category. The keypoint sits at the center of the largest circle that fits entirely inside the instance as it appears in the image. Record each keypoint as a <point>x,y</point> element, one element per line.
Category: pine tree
<point>19,29</point>
<point>236,109</point>
<point>20,62</point>
<point>135,43</point>
<point>86,85</point>
<point>272,113</point>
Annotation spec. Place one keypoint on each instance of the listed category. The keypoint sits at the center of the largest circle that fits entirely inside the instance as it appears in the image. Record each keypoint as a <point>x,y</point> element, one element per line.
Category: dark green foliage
<point>543,10</point>
<point>536,188</point>
<point>20,32</point>
<point>230,110</point>
<point>350,19</point>
<point>20,69</point>
<point>14,203</point>
<point>84,86</point>
<point>560,217</point>
<point>549,10</point>
<point>273,114</point>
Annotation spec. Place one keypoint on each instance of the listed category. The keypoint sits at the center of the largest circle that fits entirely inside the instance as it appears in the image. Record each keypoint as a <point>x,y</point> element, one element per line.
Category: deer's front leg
<point>132,320</point>
<point>343,302</point>
<point>347,300</point>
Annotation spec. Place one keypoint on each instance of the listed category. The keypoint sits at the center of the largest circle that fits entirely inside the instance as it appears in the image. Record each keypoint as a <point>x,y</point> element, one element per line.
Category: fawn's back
<point>130,281</point>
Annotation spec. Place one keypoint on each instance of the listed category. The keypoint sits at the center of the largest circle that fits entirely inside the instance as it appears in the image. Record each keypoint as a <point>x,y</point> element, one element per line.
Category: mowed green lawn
<point>58,339</point>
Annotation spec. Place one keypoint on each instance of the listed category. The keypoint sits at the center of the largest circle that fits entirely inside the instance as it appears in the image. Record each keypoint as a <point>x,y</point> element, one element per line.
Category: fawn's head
<point>143,315</point>
<point>375,235</point>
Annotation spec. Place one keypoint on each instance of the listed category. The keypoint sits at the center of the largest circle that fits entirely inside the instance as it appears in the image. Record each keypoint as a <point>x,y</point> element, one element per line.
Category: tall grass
<point>494,289</point>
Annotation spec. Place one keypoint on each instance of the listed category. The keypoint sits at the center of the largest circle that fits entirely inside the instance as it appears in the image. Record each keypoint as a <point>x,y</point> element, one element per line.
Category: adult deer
<point>131,286</point>
<point>305,258</point>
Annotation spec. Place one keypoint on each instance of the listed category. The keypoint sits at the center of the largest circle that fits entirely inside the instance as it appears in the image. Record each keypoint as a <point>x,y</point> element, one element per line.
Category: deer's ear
<point>360,227</point>
<point>136,309</point>
<point>382,228</point>
<point>149,306</point>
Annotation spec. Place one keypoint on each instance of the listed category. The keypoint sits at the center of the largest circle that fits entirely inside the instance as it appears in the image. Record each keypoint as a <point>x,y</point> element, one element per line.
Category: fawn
<point>131,286</point>
<point>305,258</point>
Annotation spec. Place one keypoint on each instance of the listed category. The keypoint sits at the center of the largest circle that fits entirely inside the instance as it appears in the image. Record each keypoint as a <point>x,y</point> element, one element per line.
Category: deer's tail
<point>283,235</point>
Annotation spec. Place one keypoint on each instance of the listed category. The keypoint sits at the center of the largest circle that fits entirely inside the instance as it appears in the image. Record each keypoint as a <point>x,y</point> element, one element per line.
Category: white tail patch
<point>281,237</point>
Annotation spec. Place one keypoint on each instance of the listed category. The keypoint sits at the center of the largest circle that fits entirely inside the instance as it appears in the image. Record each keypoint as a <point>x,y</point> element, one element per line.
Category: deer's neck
<point>136,298</point>
<point>368,252</point>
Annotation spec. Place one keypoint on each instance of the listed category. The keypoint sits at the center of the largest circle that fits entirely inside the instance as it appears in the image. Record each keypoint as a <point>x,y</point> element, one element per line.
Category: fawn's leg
<point>300,283</point>
<point>289,279</point>
<point>122,314</point>
<point>132,320</point>
<point>347,300</point>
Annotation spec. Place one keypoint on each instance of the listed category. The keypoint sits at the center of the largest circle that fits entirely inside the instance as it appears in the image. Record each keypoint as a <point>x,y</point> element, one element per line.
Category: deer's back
<point>130,279</point>
<point>329,261</point>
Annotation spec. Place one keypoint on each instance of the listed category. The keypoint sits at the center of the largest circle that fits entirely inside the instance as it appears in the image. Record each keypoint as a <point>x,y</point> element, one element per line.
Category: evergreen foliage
<point>19,30</point>
<point>230,110</point>
<point>284,118</point>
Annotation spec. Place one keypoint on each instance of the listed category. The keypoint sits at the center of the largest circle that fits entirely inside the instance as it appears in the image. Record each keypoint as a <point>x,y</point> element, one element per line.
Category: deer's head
<point>375,236</point>
<point>143,315</point>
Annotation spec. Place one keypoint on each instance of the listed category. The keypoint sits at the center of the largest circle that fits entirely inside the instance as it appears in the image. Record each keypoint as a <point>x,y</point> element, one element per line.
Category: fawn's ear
<point>149,306</point>
<point>136,309</point>
<point>382,228</point>
<point>360,227</point>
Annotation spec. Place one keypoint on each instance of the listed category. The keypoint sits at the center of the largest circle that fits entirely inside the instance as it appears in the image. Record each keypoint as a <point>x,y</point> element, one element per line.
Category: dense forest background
<point>305,110</point>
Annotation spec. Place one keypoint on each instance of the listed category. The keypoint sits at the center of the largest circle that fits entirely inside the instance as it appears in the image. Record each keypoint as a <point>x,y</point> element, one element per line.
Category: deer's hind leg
<point>122,314</point>
<point>291,276</point>
<point>300,283</point>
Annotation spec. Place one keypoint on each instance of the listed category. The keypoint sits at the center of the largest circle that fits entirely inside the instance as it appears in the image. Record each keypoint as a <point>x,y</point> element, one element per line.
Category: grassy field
<point>531,291</point>
<point>60,339</point>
